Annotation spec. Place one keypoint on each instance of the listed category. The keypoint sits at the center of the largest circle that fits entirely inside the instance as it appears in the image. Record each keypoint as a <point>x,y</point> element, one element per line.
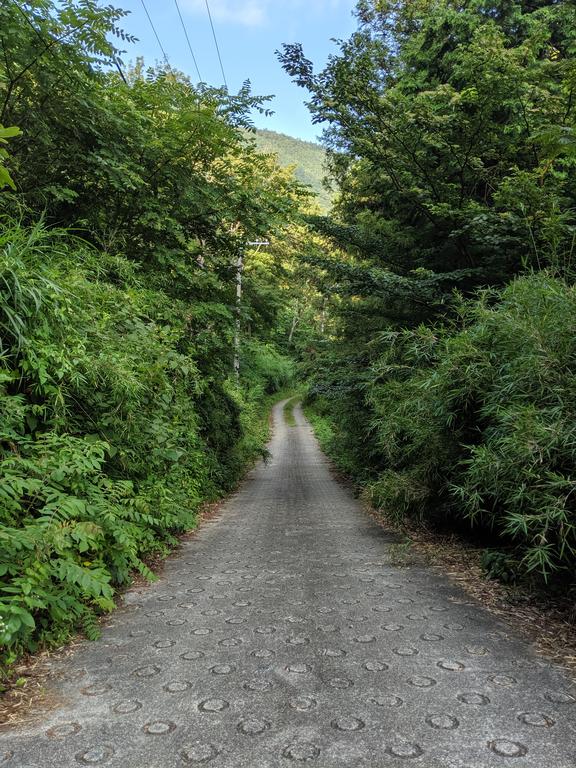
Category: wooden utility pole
<point>238,327</point>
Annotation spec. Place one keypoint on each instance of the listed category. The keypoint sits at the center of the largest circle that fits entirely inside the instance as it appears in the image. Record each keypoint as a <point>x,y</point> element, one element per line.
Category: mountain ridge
<point>308,158</point>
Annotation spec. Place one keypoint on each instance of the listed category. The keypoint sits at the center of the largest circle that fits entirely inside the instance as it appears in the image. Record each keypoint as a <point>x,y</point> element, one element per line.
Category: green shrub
<point>473,422</point>
<point>518,366</point>
<point>267,367</point>
<point>109,435</point>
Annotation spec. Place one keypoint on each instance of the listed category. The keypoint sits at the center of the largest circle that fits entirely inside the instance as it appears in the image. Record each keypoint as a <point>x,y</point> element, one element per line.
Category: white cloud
<point>249,13</point>
<point>256,13</point>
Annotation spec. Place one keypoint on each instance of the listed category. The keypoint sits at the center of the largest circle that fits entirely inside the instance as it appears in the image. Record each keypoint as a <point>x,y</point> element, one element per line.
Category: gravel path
<point>282,635</point>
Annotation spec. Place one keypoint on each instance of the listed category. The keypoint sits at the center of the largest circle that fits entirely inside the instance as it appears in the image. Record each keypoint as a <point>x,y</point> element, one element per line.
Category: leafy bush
<point>515,362</point>
<point>118,415</point>
<point>474,422</point>
<point>267,367</point>
<point>106,449</point>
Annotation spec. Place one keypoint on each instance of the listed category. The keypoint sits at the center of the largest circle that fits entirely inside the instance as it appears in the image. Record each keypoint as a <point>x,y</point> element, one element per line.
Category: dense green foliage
<point>307,158</point>
<point>126,201</point>
<point>446,383</point>
<point>433,312</point>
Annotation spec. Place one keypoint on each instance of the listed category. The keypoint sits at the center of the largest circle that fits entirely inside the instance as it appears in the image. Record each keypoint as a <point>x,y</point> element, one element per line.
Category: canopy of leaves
<point>126,200</point>
<point>451,130</point>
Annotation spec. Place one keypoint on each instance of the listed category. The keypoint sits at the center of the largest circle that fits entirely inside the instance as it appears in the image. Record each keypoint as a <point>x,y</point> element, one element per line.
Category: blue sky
<point>248,31</point>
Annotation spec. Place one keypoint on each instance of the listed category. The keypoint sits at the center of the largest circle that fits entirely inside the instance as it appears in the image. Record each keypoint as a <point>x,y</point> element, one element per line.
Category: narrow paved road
<point>282,635</point>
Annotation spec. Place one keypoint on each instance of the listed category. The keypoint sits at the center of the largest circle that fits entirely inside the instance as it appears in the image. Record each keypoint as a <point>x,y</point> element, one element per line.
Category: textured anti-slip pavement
<point>283,635</point>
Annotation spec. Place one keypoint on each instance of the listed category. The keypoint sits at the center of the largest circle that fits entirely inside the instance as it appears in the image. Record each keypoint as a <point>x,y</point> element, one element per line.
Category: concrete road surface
<point>282,635</point>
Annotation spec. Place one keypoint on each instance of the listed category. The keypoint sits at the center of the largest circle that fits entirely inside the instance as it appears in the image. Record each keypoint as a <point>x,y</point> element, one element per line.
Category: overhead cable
<point>155,33</point>
<point>216,43</point>
<point>188,40</point>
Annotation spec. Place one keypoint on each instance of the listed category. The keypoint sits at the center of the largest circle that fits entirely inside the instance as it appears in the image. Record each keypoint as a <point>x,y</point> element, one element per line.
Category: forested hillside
<point>308,158</point>
<point>447,382</point>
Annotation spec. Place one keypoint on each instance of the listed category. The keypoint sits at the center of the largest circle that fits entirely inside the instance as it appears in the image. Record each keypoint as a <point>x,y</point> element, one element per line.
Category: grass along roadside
<point>288,410</point>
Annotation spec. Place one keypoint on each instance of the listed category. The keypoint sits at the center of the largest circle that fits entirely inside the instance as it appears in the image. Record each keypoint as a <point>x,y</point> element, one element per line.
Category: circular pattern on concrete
<point>298,640</point>
<point>404,750</point>
<point>348,723</point>
<point>363,639</point>
<point>406,650</point>
<point>387,700</point>
<point>265,630</point>
<point>258,686</point>
<point>253,726</point>
<point>477,650</point>
<point>150,670</point>
<point>96,689</point>
<point>301,751</point>
<point>177,686</point>
<point>213,705</point>
<point>230,642</point>
<point>159,727</point>
<point>127,707</point>
<point>199,753</point>
<point>376,666</point>
<point>332,653</point>
<point>298,668</point>
<point>263,653</point>
<point>63,730</point>
<point>477,699</point>
<point>222,669</point>
<point>442,722</point>
<point>503,681</point>
<point>303,703</point>
<point>164,644</point>
<point>560,697</point>
<point>95,755</point>
<point>505,748</point>
<point>536,719</point>
<point>451,666</point>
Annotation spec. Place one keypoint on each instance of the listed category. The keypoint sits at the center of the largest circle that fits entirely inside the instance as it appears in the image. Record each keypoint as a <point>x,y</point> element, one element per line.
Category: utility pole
<point>239,270</point>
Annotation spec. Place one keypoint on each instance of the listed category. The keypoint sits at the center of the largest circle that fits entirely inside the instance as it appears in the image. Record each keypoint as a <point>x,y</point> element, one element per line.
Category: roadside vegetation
<point>445,381</point>
<point>431,313</point>
<point>126,200</point>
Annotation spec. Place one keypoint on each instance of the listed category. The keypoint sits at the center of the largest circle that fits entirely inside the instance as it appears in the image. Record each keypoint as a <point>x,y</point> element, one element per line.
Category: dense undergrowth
<point>125,201</point>
<point>473,423</point>
<point>445,381</point>
<point>111,435</point>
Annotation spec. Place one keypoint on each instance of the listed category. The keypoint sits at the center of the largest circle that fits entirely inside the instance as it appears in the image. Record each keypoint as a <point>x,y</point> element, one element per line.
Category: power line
<point>120,70</point>
<point>216,43</point>
<point>155,33</point>
<point>188,40</point>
